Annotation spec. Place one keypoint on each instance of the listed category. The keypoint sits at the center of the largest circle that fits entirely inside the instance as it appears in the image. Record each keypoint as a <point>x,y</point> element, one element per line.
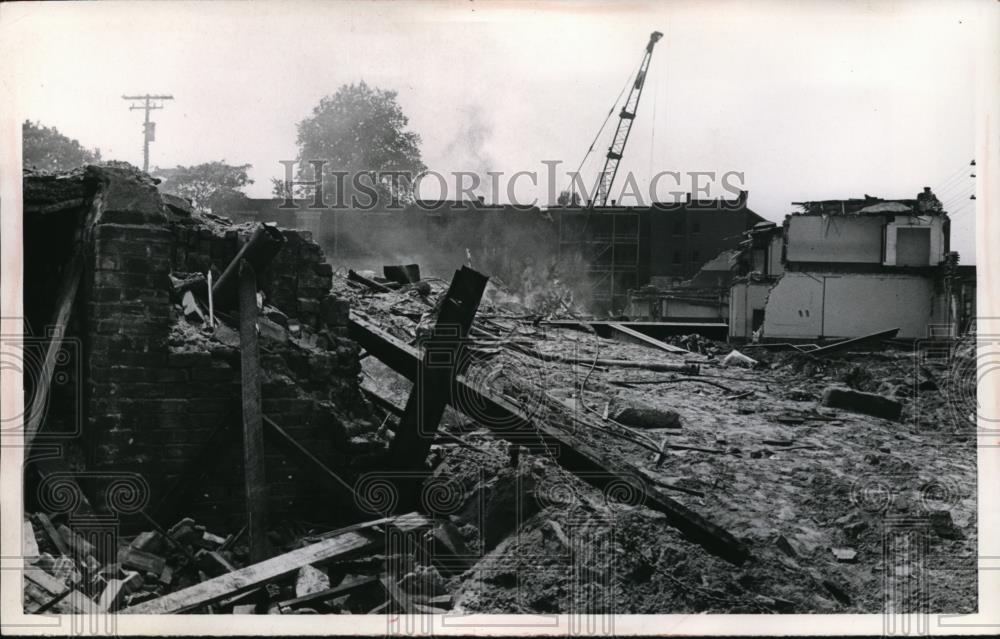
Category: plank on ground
<point>250,577</point>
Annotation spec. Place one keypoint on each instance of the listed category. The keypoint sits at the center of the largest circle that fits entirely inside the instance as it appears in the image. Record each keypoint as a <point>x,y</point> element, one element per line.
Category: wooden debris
<point>53,534</point>
<point>265,243</point>
<point>354,276</point>
<point>840,347</point>
<point>79,546</point>
<point>141,560</point>
<point>256,575</point>
<point>75,602</point>
<point>397,595</point>
<point>213,563</point>
<point>642,338</point>
<point>592,465</point>
<point>113,596</point>
<point>150,541</point>
<point>432,388</point>
<point>245,609</point>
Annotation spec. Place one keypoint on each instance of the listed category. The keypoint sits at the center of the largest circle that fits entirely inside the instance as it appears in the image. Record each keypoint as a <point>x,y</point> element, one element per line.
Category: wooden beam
<point>266,242</point>
<point>253,430</point>
<point>591,464</point>
<point>378,287</point>
<point>64,308</point>
<point>253,576</point>
<point>432,387</point>
<point>647,340</point>
<point>77,602</point>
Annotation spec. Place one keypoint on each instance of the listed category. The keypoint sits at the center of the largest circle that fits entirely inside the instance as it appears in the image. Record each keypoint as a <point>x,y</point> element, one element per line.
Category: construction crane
<point>606,178</point>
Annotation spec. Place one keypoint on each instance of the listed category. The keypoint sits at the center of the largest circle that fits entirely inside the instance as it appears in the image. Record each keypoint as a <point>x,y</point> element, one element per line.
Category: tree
<point>567,199</point>
<point>208,185</point>
<point>46,149</point>
<point>358,130</point>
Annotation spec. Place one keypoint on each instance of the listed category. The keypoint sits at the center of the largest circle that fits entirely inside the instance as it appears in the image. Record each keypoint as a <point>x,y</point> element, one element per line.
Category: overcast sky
<point>808,100</point>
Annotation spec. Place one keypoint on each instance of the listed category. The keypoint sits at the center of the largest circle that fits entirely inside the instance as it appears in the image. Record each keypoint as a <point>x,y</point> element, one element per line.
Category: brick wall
<point>156,387</point>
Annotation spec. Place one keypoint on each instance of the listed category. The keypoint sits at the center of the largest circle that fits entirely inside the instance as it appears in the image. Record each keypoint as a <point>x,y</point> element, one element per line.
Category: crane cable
<point>590,150</point>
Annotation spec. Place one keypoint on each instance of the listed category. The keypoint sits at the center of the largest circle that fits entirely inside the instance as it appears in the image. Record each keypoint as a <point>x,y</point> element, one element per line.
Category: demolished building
<point>432,447</point>
<point>598,253</point>
<point>846,268</point>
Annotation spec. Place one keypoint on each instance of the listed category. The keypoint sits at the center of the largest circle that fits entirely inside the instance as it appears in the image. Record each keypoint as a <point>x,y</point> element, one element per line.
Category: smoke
<point>466,151</point>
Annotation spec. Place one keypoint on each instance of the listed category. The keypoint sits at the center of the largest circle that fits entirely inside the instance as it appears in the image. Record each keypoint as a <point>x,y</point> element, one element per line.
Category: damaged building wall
<point>834,238</point>
<point>157,387</point>
<point>850,268</point>
<point>826,305</point>
<point>747,299</point>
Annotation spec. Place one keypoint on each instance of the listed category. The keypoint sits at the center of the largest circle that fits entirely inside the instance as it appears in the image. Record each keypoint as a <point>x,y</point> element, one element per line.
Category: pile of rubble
<point>486,454</point>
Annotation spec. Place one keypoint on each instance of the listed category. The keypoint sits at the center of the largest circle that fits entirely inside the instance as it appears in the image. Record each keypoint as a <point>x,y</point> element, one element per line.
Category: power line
<point>148,128</point>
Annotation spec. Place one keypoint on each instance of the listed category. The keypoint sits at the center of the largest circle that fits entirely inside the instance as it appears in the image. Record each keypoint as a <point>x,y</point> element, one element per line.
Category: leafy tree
<point>208,185</point>
<point>567,199</point>
<point>359,129</point>
<point>46,149</point>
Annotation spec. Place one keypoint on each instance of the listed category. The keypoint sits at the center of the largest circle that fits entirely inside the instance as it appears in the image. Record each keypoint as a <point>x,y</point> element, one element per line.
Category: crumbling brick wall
<point>156,389</point>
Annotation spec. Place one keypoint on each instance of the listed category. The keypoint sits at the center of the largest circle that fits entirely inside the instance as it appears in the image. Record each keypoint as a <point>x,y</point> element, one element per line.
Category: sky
<point>808,100</point>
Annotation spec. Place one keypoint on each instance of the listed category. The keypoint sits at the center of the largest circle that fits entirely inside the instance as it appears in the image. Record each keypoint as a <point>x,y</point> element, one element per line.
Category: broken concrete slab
<point>644,416</point>
<point>859,402</point>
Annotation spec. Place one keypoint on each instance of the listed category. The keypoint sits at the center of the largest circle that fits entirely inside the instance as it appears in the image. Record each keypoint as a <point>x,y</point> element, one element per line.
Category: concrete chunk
<point>858,402</point>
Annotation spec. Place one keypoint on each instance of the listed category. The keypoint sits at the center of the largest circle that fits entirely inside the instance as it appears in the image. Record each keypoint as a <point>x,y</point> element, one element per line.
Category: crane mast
<point>625,118</point>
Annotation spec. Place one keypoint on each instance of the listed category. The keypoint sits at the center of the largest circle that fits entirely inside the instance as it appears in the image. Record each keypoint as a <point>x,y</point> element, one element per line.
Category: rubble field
<point>562,471</point>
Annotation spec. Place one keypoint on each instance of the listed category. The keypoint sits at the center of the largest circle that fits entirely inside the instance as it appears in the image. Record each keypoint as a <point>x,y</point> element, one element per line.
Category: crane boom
<point>606,177</point>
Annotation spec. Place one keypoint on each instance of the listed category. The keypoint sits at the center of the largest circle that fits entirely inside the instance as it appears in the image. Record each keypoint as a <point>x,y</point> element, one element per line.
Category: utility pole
<point>148,128</point>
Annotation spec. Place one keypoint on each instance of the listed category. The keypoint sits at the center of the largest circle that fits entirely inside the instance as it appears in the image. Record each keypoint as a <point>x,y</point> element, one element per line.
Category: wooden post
<point>432,388</point>
<point>253,429</point>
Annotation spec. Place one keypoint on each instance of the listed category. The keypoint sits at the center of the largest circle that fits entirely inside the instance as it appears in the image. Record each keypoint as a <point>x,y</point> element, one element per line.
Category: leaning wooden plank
<point>265,243</point>
<point>378,287</point>
<point>64,307</point>
<point>431,391</point>
<point>76,600</point>
<point>233,583</point>
<point>591,464</point>
<point>647,340</point>
<point>253,428</point>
